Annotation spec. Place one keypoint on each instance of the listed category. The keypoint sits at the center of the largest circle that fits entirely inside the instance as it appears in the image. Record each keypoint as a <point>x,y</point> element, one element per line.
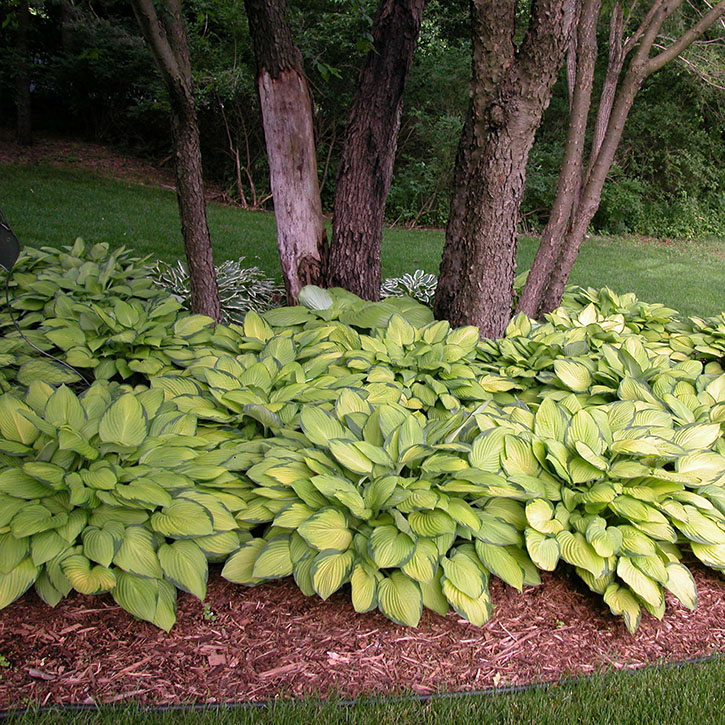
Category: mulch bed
<point>272,642</point>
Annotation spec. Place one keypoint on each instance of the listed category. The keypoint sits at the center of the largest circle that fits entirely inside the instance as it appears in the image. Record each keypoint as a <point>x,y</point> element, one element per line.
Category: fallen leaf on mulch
<point>271,641</point>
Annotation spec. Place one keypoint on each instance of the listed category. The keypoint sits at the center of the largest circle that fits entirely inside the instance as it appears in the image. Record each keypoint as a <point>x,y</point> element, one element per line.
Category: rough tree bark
<point>555,268</point>
<point>511,88</point>
<point>287,119</point>
<point>165,33</point>
<point>24,125</point>
<point>371,136</point>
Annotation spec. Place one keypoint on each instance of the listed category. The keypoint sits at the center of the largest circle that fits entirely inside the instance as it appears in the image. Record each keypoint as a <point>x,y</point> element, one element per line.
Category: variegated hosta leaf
<point>330,570</point>
<point>85,578</point>
<point>184,565</point>
<point>153,600</point>
<point>400,599</point>
<point>124,423</point>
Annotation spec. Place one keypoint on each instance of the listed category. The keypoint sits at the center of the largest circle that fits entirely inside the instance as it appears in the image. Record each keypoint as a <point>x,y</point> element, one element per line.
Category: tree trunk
<point>510,91</point>
<point>366,164</point>
<point>287,119</point>
<point>24,126</point>
<point>166,36</point>
<point>570,175</point>
<point>641,66</point>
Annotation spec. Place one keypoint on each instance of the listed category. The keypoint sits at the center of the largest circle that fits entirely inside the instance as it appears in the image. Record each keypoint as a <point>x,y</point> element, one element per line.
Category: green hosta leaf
<point>399,599</point>
<point>273,561</point>
<point>239,566</point>
<point>681,584</point>
<point>330,570</point>
<point>477,610</point>
<point>153,600</point>
<point>48,473</point>
<point>303,576</point>
<point>640,583</point>
<point>320,427</point>
<point>13,424</point>
<point>543,550</point>
<point>145,492</point>
<point>349,456</point>
<point>606,541</point>
<point>540,516</point>
<point>189,325</point>
<point>388,547</point>
<point>463,513</point>
<point>399,331</point>
<point>495,531</point>
<point>184,565</point>
<point>101,545</point>
<point>314,298</point>
<point>378,491</point>
<point>422,566</point>
<point>255,327</point>
<point>576,550</point>
<point>364,589</point>
<point>124,423</point>
<point>46,591</point>
<point>85,578</point>
<point>622,601</point>
<point>433,597</point>
<point>550,421</point>
<point>499,562</point>
<point>136,555</point>
<point>652,566</point>
<point>17,581</point>
<point>32,519</point>
<point>183,519</point>
<point>64,408</point>
<point>431,523</point>
<point>217,546</point>
<point>465,574</point>
<point>45,370</point>
<point>12,551</point>
<point>326,529</point>
<point>293,516</point>
<point>487,449</point>
<point>574,375</point>
<point>44,547</point>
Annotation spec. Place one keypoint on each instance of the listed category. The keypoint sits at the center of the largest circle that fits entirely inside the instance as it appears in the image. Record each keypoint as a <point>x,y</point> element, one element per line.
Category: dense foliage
<point>92,75</point>
<point>347,442</point>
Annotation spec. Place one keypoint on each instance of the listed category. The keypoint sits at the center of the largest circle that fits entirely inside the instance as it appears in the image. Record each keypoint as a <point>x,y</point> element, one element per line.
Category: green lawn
<point>47,205</point>
<point>671,695</point>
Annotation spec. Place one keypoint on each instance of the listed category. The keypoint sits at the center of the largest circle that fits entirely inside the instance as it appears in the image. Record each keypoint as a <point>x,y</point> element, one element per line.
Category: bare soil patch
<point>271,641</point>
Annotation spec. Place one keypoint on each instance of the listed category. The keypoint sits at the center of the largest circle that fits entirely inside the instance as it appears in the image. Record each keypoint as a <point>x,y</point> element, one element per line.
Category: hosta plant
<point>420,285</point>
<point>241,288</point>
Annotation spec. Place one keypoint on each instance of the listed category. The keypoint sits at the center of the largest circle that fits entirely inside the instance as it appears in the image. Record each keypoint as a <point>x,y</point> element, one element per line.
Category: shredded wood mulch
<point>273,642</point>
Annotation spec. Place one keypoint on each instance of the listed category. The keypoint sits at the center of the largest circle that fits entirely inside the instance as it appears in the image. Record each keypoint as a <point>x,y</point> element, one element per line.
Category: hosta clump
<point>406,510</point>
<point>112,491</point>
<point>85,273</point>
<point>420,285</point>
<point>241,288</point>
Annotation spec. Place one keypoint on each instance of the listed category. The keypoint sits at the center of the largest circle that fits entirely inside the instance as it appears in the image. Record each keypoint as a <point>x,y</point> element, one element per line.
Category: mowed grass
<point>656,695</point>
<point>53,206</point>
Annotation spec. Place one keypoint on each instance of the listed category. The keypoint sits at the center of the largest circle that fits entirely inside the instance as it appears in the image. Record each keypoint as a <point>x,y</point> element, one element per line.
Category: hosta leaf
<point>495,531</point>
<point>540,516</point>
<point>606,541</point>
<point>124,423</point>
<point>364,589</point>
<point>240,565</point>
<point>64,408</point>
<point>388,547</point>
<point>145,492</point>
<point>19,484</point>
<point>399,599</point>
<point>46,591</point>
<point>330,570</point>
<point>584,429</point>
<point>184,565</point>
<point>640,583</point>
<point>463,513</point>
<point>320,427</point>
<point>136,555</point>
<point>17,581</point>
<point>651,566</point>
<point>465,574</point>
<point>697,436</point>
<point>487,449</point>
<point>293,516</point>
<point>12,551</point>
<point>622,601</point>
<point>153,600</point>
<point>423,565</point>
<point>100,545</point>
<point>45,370</point>
<point>574,375</point>
<point>378,491</point>
<point>85,578</point>
<point>13,425</point>
<point>326,529</point>
<point>46,546</point>
<point>550,421</point>
<point>477,610</point>
<point>32,519</point>
<point>499,562</point>
<point>681,584</point>
<point>576,550</point>
<point>273,561</point>
<point>351,457</point>
<point>183,519</point>
<point>543,550</point>
<point>431,523</point>
<point>217,546</point>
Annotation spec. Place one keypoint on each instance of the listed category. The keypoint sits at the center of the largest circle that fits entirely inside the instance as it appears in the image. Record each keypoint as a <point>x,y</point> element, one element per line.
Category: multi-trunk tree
<point>165,32</point>
<point>580,184</point>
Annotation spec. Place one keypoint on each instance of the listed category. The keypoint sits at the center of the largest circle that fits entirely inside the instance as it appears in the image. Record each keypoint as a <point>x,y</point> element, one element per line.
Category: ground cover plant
<point>346,442</point>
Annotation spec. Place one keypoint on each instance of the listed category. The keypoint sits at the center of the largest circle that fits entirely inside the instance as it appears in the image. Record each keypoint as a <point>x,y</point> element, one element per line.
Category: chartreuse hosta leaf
<point>400,599</point>
<point>153,600</point>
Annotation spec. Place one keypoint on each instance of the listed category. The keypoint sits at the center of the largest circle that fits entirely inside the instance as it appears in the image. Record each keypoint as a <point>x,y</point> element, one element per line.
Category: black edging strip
<point>247,704</point>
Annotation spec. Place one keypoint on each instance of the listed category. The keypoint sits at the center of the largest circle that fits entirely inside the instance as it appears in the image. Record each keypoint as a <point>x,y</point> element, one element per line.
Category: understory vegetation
<point>345,442</point>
